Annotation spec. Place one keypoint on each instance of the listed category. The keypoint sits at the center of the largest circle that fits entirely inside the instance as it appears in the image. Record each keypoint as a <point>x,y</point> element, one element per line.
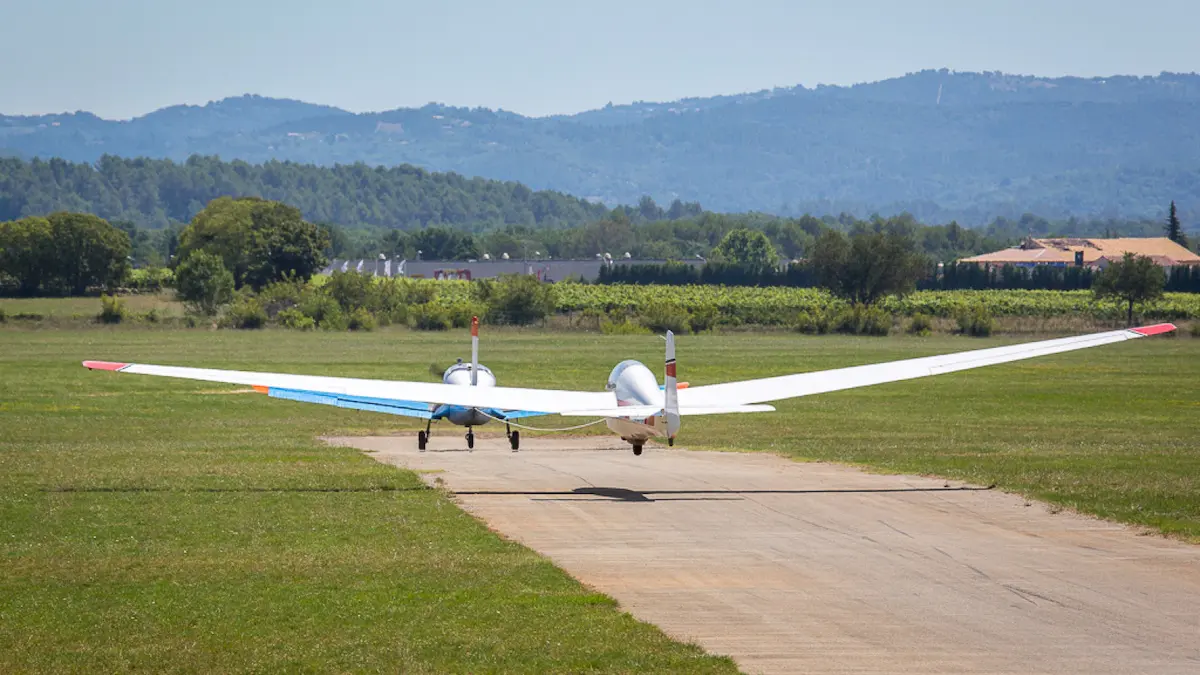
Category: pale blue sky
<point>121,58</point>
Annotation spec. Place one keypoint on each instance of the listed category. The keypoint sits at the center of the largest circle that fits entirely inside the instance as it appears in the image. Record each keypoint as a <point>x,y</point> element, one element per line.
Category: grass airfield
<point>154,524</point>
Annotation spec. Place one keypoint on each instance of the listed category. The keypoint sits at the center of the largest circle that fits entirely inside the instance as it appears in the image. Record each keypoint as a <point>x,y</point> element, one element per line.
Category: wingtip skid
<point>1156,329</point>
<point>104,365</point>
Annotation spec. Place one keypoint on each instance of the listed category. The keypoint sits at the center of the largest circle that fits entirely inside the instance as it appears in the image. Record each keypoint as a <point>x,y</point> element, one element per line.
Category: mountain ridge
<point>938,143</point>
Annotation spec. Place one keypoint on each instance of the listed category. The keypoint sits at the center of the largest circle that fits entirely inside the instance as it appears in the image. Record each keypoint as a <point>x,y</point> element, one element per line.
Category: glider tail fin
<point>671,391</point>
<point>474,351</point>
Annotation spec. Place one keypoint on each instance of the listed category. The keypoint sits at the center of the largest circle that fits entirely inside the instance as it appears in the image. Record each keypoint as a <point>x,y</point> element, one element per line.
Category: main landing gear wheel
<point>637,448</point>
<point>422,440</point>
<point>514,439</point>
<point>470,440</point>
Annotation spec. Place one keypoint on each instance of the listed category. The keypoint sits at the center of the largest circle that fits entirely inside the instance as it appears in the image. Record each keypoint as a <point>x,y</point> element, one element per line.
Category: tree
<point>259,241</point>
<point>26,253</point>
<point>867,266</point>
<point>520,300</point>
<point>203,282</point>
<point>748,249</point>
<point>88,251</point>
<point>442,243</point>
<point>1133,279</point>
<point>1174,228</point>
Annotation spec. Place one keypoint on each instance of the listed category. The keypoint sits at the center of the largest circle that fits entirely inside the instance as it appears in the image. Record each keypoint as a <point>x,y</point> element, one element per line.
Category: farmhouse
<point>1065,252</point>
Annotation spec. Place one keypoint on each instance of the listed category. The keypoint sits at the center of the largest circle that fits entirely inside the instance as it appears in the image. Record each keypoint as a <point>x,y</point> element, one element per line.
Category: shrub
<point>151,316</point>
<point>361,319</point>
<point>661,317</point>
<point>863,320</point>
<point>246,313</point>
<point>976,322</point>
<point>817,322</point>
<point>150,279</point>
<point>461,312</point>
<point>430,317</point>
<point>622,328</point>
<point>1195,330</point>
<point>322,309</point>
<point>203,283</point>
<point>419,292</point>
<point>295,319</point>
<point>112,309</point>
<point>389,301</point>
<point>335,321</point>
<point>520,300</point>
<point>704,317</point>
<point>921,324</point>
<point>351,290</point>
<point>282,295</point>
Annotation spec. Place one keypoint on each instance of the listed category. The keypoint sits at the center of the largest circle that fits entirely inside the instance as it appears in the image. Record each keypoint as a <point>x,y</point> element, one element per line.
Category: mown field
<point>163,525</point>
<point>156,527</point>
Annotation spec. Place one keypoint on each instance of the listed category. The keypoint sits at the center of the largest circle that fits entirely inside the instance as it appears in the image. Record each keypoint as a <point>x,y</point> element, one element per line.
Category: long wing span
<point>397,396</point>
<point>419,399</point>
<point>652,410</point>
<point>807,384</point>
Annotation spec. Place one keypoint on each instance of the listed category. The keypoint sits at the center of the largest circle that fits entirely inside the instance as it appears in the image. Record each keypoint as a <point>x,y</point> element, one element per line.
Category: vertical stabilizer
<point>671,391</point>
<point>474,351</point>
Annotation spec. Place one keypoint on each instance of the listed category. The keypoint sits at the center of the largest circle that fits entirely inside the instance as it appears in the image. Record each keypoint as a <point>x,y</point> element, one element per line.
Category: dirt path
<point>818,568</point>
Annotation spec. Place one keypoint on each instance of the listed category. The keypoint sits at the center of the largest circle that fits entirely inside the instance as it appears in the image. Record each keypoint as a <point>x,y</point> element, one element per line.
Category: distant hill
<point>154,193</point>
<point>938,144</point>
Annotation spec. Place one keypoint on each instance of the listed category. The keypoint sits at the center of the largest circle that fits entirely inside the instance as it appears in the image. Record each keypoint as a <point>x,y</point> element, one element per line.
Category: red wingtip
<point>474,326</point>
<point>103,365</point>
<point>1155,329</point>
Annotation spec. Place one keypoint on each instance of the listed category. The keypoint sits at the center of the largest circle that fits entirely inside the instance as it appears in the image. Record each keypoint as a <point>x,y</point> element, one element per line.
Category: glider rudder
<point>671,390</point>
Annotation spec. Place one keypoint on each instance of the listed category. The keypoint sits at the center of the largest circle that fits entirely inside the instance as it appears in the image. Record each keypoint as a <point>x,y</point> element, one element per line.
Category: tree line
<point>399,211</point>
<point>153,193</point>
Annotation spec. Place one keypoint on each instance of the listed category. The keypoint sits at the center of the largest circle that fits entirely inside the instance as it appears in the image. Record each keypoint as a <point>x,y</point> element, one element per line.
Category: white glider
<point>633,404</point>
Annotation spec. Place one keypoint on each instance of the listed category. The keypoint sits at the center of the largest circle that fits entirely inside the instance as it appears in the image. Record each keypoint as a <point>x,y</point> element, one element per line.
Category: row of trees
<point>230,244</point>
<point>63,253</point>
<point>873,262</point>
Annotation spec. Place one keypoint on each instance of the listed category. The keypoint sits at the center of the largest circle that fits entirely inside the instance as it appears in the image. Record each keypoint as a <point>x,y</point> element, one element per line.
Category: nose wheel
<point>470,439</point>
<point>637,449</point>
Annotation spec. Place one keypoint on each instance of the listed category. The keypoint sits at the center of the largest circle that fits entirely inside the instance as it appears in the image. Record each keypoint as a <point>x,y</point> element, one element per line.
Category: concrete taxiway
<point>791,567</point>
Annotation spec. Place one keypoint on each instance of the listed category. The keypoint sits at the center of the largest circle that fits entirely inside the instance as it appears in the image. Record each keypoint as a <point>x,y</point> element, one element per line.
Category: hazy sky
<point>121,58</point>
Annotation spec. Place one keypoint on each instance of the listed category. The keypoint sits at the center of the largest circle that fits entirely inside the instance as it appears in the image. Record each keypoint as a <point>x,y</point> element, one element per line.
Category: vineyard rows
<point>774,305</point>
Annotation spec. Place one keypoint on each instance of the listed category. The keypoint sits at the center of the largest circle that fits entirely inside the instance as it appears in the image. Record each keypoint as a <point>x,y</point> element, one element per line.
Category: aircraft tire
<point>422,440</point>
<point>470,440</point>
<point>515,440</point>
<point>637,450</point>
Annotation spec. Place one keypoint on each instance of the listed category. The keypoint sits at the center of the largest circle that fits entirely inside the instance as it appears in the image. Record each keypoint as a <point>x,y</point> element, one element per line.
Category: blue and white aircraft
<point>633,404</point>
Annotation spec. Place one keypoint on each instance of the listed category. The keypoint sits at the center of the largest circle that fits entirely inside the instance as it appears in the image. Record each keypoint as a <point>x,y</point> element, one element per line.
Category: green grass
<point>167,526</point>
<point>89,307</point>
<point>154,524</point>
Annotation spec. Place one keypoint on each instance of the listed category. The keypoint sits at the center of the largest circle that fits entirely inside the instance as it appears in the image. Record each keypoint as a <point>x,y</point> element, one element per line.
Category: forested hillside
<point>940,145</point>
<point>154,193</point>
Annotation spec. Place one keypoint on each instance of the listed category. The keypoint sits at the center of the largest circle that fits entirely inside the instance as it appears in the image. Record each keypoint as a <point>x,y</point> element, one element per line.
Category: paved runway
<point>816,568</point>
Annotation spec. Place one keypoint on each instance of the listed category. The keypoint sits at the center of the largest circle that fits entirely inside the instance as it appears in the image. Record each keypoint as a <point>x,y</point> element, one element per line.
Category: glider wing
<point>807,384</point>
<point>416,399</point>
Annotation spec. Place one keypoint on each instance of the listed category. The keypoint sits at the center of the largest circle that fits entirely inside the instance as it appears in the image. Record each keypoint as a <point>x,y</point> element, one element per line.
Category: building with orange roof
<point>1065,252</point>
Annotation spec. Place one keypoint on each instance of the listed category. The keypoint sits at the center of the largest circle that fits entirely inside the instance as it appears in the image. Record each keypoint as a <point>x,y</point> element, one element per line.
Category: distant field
<point>150,524</point>
<point>87,307</point>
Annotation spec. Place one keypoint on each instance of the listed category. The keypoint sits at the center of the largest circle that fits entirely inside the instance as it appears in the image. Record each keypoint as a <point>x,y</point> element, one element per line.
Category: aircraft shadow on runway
<point>627,495</point>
